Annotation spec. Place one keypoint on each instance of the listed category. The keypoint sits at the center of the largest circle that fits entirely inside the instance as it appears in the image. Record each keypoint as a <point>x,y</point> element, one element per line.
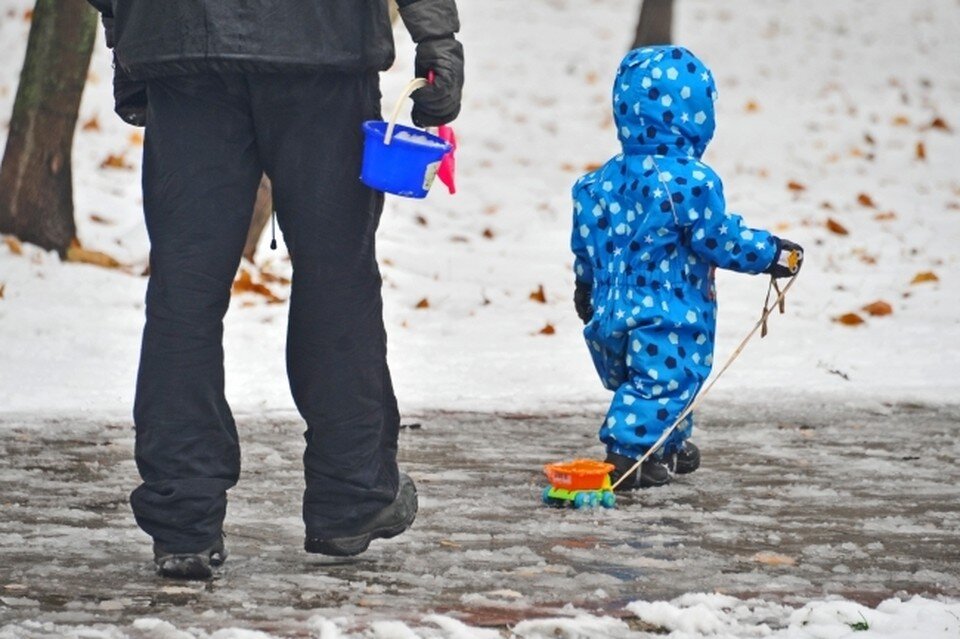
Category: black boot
<point>651,474</point>
<point>389,522</point>
<point>189,565</point>
<point>685,460</point>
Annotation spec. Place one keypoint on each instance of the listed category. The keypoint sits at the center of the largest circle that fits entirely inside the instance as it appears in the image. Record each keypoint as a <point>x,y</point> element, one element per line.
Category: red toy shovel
<point>448,165</point>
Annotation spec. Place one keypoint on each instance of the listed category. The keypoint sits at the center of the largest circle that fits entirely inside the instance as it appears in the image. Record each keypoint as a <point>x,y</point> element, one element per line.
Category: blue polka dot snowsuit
<point>649,225</point>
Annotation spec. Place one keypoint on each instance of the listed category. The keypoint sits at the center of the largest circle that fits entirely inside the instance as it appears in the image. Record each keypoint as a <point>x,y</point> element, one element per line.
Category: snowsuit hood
<point>663,102</point>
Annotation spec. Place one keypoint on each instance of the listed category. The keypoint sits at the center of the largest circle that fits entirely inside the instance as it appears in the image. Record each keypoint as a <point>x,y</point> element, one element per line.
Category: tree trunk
<point>262,211</point>
<point>36,181</point>
<point>655,24</point>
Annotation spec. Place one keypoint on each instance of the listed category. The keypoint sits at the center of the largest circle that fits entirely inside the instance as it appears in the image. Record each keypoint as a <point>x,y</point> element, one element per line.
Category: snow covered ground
<point>833,96</point>
<point>836,99</point>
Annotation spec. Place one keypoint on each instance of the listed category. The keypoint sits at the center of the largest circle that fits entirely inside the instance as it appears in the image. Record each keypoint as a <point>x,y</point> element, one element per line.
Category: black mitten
<point>581,301</point>
<point>130,97</point>
<point>788,261</point>
<point>432,25</point>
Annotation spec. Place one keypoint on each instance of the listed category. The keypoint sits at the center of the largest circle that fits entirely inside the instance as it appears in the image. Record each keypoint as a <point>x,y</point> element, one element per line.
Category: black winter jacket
<point>172,37</point>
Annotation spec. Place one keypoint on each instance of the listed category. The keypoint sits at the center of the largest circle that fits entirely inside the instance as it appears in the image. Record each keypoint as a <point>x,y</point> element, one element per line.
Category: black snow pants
<point>208,140</point>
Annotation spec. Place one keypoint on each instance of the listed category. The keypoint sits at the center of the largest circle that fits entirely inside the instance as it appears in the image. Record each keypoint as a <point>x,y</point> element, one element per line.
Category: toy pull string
<point>778,303</point>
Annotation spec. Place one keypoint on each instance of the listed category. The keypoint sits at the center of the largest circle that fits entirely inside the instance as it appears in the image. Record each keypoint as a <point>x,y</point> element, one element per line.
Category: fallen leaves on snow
<point>865,200</point>
<point>796,186</point>
<point>77,254</point>
<point>925,276</point>
<point>849,319</point>
<point>13,244</point>
<point>116,161</point>
<point>244,283</point>
<point>921,151</point>
<point>549,329</point>
<point>422,304</point>
<point>836,227</point>
<point>539,295</point>
<point>93,124</point>
<point>878,308</point>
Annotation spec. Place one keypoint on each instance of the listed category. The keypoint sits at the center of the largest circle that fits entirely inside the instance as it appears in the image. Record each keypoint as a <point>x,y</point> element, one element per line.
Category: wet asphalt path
<point>817,500</point>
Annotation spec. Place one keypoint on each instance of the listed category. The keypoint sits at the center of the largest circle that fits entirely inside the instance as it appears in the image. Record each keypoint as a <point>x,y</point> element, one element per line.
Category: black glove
<point>582,302</point>
<point>432,25</point>
<point>129,96</point>
<point>788,261</point>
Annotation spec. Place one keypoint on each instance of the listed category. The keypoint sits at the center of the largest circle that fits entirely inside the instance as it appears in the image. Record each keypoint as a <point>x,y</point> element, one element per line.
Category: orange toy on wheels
<point>581,483</point>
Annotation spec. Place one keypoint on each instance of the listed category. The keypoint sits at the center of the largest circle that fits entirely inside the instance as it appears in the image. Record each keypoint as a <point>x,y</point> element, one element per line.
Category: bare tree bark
<point>655,25</point>
<point>262,211</point>
<point>36,180</point>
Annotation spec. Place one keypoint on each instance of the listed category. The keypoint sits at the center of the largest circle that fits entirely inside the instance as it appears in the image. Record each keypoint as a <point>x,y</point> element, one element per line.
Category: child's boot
<point>651,474</point>
<point>685,459</point>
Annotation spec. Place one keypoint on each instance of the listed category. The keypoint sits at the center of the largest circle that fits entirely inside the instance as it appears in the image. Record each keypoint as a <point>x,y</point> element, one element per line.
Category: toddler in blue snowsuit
<point>649,227</point>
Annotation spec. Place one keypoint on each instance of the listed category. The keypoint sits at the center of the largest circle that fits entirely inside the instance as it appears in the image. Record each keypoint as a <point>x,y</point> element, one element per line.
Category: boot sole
<point>354,545</point>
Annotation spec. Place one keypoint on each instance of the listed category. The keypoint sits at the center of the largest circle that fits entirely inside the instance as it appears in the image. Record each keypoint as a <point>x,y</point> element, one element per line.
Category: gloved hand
<point>788,261</point>
<point>432,25</point>
<point>129,96</point>
<point>582,302</point>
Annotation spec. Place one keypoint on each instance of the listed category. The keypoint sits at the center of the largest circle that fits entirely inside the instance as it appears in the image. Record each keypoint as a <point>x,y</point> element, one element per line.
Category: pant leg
<point>200,176</point>
<point>662,381</point>
<point>309,131</point>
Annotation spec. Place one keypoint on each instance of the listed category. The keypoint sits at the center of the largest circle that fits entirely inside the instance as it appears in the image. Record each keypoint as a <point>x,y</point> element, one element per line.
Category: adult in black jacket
<point>227,90</point>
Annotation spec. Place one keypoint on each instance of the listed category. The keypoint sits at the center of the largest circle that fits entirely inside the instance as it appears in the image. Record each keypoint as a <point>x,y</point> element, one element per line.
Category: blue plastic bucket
<point>406,166</point>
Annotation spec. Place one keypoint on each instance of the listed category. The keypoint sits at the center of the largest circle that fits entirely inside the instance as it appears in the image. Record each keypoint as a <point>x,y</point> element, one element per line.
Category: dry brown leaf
<point>422,304</point>
<point>882,217</point>
<point>925,276</point>
<point>422,221</point>
<point>539,295</point>
<point>99,219</point>
<point>865,200</point>
<point>878,308</point>
<point>273,278</point>
<point>488,233</point>
<point>901,120</point>
<point>940,123</point>
<point>773,559</point>
<point>93,124</point>
<point>826,205</point>
<point>548,329</point>
<point>80,255</point>
<point>28,15</point>
<point>13,244</point>
<point>115,161</point>
<point>136,138</point>
<point>836,227</point>
<point>3,289</point>
<point>796,186</point>
<point>849,319</point>
<point>921,151</point>
<point>245,284</point>
<point>752,106</point>
<point>591,166</point>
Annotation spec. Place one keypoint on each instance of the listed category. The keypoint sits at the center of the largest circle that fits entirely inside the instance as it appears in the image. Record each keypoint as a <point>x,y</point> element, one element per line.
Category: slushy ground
<point>795,502</point>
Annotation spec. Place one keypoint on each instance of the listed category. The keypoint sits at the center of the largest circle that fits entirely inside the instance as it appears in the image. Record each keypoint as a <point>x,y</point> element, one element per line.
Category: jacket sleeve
<point>105,7</point>
<point>721,237</point>
<point>582,229</point>
<point>430,19</point>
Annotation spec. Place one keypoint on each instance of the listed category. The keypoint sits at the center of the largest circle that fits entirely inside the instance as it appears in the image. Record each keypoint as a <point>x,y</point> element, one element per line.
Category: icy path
<point>789,508</point>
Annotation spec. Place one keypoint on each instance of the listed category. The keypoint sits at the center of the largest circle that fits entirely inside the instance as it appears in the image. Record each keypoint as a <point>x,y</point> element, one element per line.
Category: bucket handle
<point>408,90</point>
